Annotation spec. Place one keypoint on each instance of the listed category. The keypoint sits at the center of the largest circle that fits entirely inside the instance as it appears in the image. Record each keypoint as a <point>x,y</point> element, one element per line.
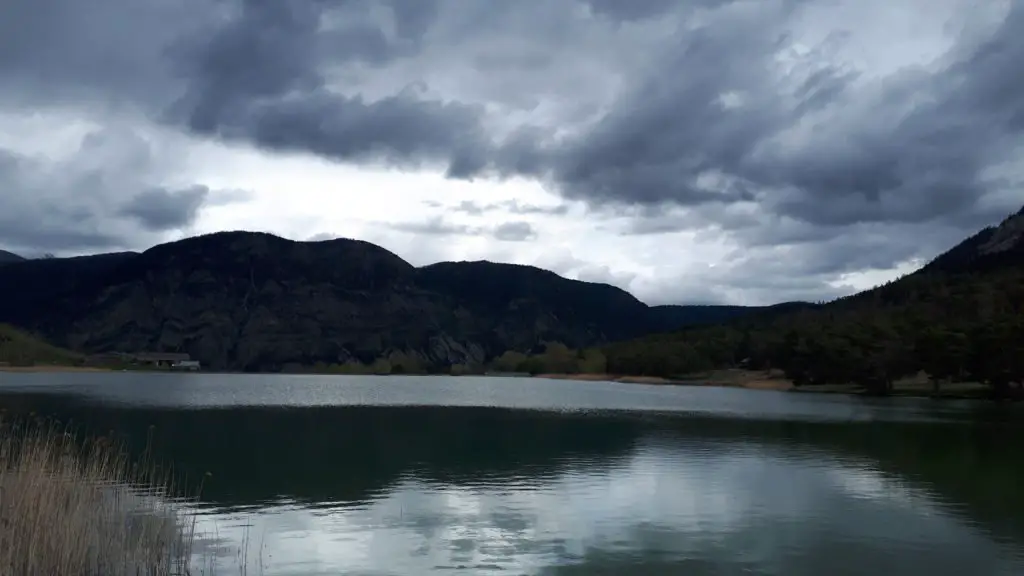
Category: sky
<point>712,151</point>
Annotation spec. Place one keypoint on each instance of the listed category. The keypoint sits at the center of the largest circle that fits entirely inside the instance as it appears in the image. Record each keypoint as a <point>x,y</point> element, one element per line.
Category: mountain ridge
<point>255,301</point>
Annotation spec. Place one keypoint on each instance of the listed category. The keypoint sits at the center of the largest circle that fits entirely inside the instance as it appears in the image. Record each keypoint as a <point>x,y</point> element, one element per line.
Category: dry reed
<point>70,507</point>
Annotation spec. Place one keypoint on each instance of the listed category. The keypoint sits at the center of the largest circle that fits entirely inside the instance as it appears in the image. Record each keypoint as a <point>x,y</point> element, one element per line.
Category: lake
<point>434,475</point>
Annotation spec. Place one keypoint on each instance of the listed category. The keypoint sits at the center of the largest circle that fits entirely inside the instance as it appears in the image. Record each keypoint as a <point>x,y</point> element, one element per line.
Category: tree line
<point>952,327</point>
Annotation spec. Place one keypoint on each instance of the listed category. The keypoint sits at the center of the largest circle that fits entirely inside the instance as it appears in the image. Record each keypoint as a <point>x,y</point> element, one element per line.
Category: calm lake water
<point>388,476</point>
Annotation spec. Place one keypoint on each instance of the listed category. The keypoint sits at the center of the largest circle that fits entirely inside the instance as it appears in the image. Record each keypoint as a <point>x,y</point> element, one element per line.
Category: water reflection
<point>661,509</point>
<point>401,488</point>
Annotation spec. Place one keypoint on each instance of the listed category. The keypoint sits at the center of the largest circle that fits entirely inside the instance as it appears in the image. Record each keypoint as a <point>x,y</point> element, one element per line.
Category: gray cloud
<point>260,77</point>
<point>514,232</point>
<point>159,209</point>
<point>273,74</point>
<point>635,10</point>
<point>436,226</point>
<point>439,226</point>
<point>888,154</point>
<point>510,206</point>
<point>100,196</point>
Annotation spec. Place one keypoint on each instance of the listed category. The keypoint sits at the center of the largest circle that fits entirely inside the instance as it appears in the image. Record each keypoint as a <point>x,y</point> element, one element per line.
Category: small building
<point>160,359</point>
<point>192,365</point>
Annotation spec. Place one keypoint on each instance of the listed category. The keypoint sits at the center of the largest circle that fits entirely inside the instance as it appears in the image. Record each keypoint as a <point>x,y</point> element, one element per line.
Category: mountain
<point>960,317</point>
<point>253,301</point>
<point>9,257</point>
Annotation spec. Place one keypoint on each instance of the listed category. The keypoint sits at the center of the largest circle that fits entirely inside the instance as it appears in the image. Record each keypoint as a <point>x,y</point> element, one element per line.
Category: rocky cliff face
<point>251,301</point>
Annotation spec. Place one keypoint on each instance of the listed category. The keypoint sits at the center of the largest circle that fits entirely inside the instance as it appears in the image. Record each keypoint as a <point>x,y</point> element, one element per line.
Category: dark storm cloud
<point>160,209</point>
<point>242,70</point>
<point>892,156</point>
<point>260,77</point>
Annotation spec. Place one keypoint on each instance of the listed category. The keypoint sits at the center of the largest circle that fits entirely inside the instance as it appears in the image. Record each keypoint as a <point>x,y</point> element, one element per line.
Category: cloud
<point>729,108</point>
<point>159,209</point>
<point>628,11</point>
<point>436,226</point>
<point>99,195</point>
<point>725,114</point>
<point>888,153</point>
<point>517,231</point>
<point>509,206</point>
<point>514,232</point>
<point>835,137</point>
<point>260,77</point>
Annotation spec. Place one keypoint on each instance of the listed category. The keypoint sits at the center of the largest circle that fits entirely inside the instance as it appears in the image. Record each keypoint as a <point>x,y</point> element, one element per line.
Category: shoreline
<point>729,378</point>
<point>753,381</point>
<point>53,368</point>
<point>756,380</point>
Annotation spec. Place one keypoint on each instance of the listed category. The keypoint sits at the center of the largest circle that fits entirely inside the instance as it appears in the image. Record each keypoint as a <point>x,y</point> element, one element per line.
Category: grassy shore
<point>68,509</point>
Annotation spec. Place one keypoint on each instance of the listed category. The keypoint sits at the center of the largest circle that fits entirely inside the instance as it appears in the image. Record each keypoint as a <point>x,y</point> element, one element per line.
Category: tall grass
<point>73,507</point>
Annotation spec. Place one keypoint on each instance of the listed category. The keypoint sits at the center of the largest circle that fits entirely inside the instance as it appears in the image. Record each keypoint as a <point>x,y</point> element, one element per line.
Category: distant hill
<point>253,301</point>
<point>9,257</point>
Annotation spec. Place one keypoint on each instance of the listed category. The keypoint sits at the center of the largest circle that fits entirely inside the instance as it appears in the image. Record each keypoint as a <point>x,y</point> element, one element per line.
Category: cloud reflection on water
<point>695,509</point>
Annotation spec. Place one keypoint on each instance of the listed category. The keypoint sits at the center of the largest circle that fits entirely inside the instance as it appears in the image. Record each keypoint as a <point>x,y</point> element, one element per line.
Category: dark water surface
<point>382,476</point>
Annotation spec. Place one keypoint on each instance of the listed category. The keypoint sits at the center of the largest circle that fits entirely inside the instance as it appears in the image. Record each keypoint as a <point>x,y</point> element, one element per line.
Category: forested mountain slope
<point>961,317</point>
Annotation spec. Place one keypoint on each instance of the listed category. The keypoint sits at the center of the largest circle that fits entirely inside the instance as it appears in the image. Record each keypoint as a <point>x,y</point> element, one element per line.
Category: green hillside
<point>18,348</point>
